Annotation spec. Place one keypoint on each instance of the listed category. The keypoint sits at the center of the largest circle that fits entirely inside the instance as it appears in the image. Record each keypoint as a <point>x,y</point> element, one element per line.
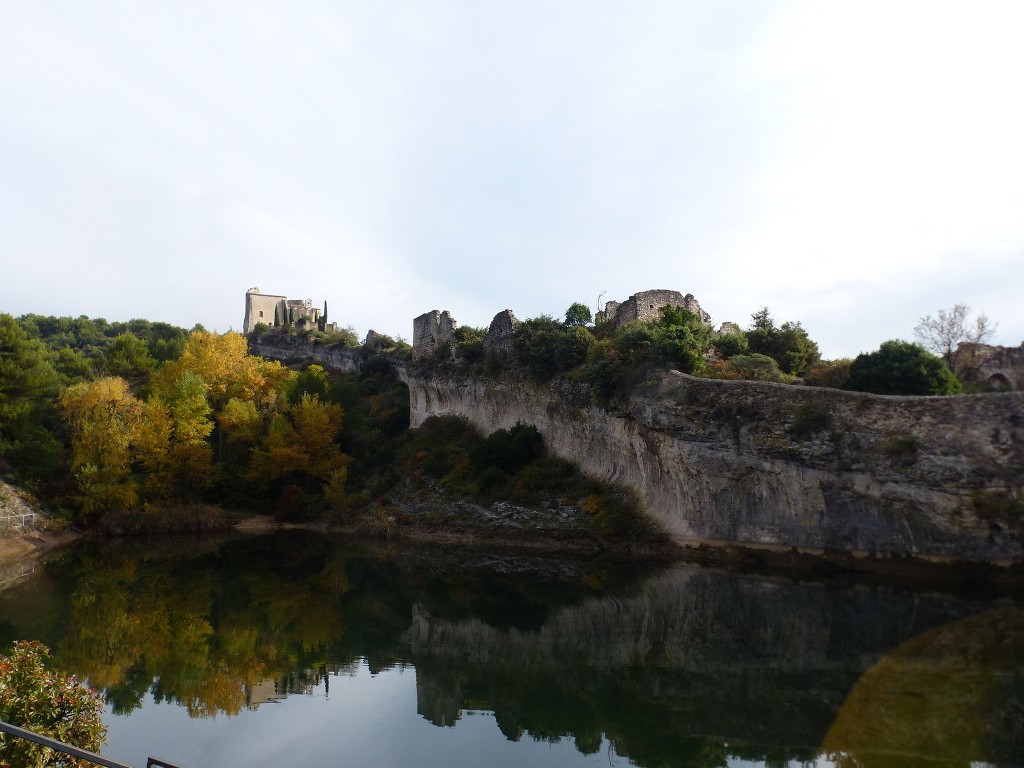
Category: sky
<point>852,165</point>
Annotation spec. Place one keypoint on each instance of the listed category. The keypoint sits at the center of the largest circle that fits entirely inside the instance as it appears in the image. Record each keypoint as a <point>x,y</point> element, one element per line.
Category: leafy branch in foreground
<point>48,702</point>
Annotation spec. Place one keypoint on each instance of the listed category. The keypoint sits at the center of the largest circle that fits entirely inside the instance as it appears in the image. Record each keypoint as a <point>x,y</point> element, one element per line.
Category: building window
<point>261,313</point>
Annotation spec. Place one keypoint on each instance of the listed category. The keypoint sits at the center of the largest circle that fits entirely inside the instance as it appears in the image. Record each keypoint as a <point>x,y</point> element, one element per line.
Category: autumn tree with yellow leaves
<point>103,417</point>
<point>214,411</point>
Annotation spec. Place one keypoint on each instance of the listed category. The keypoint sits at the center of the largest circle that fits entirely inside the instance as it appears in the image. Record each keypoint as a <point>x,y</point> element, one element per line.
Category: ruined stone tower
<point>430,330</point>
<point>645,306</point>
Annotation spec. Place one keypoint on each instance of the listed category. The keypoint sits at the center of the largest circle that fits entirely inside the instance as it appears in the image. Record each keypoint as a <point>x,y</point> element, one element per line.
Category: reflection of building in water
<point>303,682</point>
<point>261,693</point>
<point>439,703</point>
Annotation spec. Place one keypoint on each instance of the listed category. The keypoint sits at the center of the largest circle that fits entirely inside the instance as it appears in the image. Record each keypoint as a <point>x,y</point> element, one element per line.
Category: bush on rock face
<point>902,368</point>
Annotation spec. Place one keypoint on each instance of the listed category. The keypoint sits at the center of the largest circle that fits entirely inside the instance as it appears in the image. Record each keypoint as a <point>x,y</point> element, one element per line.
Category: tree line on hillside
<point>613,359</point>
<point>99,418</point>
<point>131,443</point>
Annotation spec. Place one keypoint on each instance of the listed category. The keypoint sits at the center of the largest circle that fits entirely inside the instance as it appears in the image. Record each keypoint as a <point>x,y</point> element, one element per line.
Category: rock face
<point>292,350</point>
<point>782,466</point>
<point>498,340</point>
<point>430,330</point>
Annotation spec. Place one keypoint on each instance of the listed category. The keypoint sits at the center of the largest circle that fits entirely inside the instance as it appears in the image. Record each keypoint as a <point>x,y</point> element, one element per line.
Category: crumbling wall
<point>997,367</point>
<point>646,306</point>
<point>430,330</point>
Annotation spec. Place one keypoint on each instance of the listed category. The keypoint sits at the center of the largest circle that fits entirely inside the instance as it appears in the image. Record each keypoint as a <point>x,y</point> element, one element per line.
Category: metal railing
<point>73,751</point>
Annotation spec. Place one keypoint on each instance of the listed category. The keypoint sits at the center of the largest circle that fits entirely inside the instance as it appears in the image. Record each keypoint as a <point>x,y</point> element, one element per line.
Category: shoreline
<point>833,567</point>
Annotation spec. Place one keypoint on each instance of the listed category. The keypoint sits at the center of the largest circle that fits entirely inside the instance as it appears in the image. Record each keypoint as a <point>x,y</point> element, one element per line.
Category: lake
<point>295,648</point>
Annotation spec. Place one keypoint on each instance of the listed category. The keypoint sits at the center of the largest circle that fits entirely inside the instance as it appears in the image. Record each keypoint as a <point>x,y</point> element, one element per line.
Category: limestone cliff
<point>774,465</point>
<point>296,349</point>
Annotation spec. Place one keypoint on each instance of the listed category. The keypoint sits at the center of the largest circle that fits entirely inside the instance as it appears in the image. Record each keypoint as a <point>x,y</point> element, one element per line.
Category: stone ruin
<point>498,340</point>
<point>433,329</point>
<point>377,341</point>
<point>999,368</point>
<point>430,330</point>
<point>645,307</point>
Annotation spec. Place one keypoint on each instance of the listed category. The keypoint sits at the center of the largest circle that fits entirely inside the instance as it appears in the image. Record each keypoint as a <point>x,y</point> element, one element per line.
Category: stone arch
<point>1000,382</point>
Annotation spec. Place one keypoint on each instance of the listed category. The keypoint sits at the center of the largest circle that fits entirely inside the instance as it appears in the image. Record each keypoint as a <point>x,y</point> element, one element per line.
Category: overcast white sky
<point>851,165</point>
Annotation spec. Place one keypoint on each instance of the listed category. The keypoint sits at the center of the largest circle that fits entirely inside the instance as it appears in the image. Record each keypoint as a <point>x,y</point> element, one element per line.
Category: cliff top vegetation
<point>613,358</point>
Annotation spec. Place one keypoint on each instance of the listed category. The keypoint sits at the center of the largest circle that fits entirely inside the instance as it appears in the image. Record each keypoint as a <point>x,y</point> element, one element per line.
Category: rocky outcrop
<point>293,350</point>
<point>779,466</point>
<point>500,334</point>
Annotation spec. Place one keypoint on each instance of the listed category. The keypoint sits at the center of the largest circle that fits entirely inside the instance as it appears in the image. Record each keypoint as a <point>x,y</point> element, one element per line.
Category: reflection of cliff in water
<point>694,662</point>
<point>678,666</point>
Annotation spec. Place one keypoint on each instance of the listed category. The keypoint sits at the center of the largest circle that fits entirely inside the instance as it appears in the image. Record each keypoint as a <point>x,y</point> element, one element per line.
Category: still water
<point>298,649</point>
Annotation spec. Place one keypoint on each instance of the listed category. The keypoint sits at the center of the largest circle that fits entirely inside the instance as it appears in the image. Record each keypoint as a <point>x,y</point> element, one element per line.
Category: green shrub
<point>901,368</point>
<point>491,482</point>
<point>810,418</point>
<point>757,367</point>
<point>996,507</point>
<point>834,374</point>
<point>616,510</point>
<point>344,337</point>
<point>730,344</point>
<point>545,347</point>
<point>49,703</point>
<point>469,343</point>
<point>507,449</point>
<point>788,344</point>
<point>901,449</point>
<point>616,364</point>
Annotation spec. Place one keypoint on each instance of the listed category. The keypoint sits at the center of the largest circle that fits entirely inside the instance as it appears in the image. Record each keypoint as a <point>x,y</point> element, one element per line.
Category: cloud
<point>851,165</point>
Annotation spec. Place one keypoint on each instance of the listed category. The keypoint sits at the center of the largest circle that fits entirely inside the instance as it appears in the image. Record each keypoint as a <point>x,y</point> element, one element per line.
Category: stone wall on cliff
<point>781,466</point>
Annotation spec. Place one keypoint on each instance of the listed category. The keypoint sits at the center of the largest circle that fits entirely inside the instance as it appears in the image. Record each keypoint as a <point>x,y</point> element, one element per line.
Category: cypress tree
<point>277,316</point>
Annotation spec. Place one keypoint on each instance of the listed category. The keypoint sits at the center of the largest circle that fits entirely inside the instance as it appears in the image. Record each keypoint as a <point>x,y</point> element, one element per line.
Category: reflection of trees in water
<point>685,667</point>
<point>220,629</point>
<point>204,632</point>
